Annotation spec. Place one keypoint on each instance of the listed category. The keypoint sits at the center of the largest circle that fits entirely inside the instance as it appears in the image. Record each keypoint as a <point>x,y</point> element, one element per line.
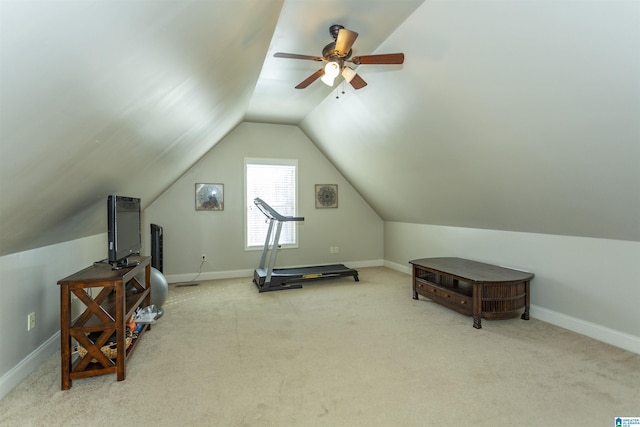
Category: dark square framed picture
<point>209,197</point>
<point>326,196</point>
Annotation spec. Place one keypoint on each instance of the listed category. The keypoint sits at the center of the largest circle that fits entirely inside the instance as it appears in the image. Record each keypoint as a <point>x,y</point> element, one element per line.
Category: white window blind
<point>275,182</point>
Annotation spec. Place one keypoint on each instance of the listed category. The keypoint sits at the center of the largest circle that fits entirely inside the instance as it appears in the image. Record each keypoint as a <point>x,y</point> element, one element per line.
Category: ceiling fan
<point>336,54</point>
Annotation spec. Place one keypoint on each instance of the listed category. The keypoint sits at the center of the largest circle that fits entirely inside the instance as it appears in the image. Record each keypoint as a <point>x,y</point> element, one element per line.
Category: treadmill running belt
<point>291,278</point>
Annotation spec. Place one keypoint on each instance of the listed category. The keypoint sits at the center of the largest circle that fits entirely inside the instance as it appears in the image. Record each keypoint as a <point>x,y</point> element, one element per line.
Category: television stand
<point>105,315</point>
<point>473,288</point>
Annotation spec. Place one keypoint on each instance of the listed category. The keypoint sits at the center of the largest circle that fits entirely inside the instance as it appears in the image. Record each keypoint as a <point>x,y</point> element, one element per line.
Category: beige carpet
<point>338,353</point>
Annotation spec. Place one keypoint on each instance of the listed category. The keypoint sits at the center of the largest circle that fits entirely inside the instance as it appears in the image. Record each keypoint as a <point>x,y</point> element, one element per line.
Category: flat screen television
<point>124,227</point>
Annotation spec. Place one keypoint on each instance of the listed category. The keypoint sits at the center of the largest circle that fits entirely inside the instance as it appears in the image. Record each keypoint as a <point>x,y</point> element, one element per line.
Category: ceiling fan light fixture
<point>348,74</point>
<point>331,71</point>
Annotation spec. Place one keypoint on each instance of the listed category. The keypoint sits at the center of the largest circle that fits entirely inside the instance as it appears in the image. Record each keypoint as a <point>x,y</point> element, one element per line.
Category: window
<point>275,181</point>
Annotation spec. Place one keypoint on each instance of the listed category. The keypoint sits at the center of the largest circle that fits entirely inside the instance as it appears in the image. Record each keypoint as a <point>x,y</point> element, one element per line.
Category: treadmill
<point>277,279</point>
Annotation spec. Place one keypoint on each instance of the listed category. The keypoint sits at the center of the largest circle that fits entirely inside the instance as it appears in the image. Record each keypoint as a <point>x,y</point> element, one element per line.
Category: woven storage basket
<point>110,350</point>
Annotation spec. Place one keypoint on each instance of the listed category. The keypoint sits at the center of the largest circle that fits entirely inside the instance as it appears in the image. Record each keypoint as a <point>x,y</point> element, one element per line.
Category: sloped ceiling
<point>103,97</point>
<point>506,115</point>
<point>511,115</point>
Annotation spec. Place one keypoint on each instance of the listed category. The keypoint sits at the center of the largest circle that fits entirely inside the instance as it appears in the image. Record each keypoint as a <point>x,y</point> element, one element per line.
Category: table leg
<point>477,306</point>
<point>525,315</point>
<point>120,332</point>
<point>415,293</point>
<point>65,338</point>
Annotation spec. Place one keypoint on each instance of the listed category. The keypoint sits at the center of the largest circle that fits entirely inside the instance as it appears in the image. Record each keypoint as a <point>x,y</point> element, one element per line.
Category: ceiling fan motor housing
<point>330,54</point>
<point>334,30</point>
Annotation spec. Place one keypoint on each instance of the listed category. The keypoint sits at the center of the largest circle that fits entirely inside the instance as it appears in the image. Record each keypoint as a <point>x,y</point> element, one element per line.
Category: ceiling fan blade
<point>357,82</point>
<point>296,56</point>
<point>344,41</point>
<point>312,78</point>
<point>387,58</point>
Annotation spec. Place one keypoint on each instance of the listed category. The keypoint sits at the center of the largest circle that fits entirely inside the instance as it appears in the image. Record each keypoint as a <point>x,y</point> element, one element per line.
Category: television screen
<point>124,228</point>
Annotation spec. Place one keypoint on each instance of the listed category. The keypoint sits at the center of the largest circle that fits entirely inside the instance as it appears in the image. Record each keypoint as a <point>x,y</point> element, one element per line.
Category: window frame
<point>249,205</point>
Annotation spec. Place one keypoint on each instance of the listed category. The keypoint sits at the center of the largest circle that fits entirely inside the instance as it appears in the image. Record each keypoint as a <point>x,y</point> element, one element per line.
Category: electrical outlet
<point>204,257</point>
<point>31,321</point>
<point>336,249</point>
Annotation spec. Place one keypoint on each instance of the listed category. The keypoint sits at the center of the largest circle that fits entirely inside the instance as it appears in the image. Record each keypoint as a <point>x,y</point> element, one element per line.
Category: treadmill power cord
<point>190,282</point>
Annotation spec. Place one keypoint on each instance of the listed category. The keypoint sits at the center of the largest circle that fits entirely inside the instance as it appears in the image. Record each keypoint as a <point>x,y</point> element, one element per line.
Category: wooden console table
<point>105,315</point>
<point>473,288</point>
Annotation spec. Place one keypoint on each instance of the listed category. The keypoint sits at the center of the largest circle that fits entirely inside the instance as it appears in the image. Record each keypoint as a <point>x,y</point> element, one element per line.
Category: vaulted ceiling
<point>506,115</point>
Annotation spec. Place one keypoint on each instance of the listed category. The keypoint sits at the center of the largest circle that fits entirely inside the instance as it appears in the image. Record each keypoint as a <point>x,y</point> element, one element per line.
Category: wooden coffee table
<point>473,288</point>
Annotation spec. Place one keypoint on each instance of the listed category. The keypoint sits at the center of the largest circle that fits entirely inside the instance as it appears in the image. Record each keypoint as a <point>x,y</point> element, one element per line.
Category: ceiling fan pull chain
<point>342,91</point>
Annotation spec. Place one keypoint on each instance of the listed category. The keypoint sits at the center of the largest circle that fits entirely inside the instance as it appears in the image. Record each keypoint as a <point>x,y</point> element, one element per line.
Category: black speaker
<point>156,247</point>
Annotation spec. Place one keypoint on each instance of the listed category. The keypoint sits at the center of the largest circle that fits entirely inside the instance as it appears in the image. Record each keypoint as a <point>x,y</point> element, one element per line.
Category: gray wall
<point>584,284</point>
<point>354,227</point>
<point>29,284</point>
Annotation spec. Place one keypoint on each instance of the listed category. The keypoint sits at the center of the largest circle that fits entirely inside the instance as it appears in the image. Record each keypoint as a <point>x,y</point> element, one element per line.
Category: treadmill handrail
<point>272,213</point>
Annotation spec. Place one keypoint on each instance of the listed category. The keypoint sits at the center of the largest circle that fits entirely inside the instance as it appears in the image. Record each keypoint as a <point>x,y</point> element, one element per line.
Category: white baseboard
<point>398,267</point>
<point>365,264</point>
<point>592,330</point>
<point>27,365</point>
